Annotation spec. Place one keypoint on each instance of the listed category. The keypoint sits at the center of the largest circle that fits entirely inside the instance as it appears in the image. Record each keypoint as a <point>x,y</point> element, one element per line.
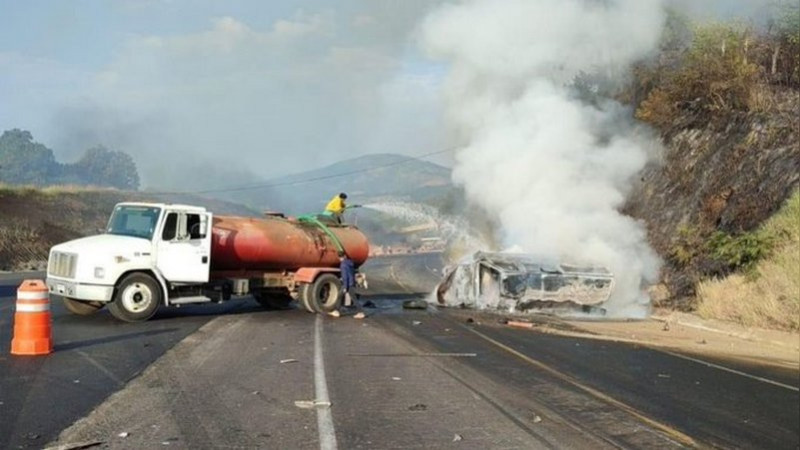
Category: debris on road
<point>360,315</point>
<point>75,445</point>
<point>415,304</point>
<point>519,324</point>
<point>287,361</point>
<point>124,434</point>
<point>663,375</point>
<point>537,418</point>
<point>396,378</point>
<point>457,438</point>
<point>369,304</point>
<point>418,407</point>
<point>415,322</point>
<point>311,404</point>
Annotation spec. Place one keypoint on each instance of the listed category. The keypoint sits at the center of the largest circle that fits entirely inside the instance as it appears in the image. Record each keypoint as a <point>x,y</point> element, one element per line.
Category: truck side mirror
<point>203,225</point>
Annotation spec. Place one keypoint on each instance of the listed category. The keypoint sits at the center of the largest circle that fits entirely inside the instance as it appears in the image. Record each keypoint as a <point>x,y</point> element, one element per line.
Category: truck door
<point>184,247</point>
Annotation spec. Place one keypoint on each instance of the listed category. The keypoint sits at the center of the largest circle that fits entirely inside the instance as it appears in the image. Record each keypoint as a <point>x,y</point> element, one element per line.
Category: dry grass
<point>769,297</point>
<point>51,190</point>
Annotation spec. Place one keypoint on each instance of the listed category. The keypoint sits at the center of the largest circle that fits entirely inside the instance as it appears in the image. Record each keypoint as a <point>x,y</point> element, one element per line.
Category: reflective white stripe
<point>31,295</point>
<point>26,307</point>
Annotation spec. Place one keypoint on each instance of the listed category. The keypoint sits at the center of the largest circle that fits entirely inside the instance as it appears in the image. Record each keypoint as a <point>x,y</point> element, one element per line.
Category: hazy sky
<point>212,92</point>
<point>219,88</point>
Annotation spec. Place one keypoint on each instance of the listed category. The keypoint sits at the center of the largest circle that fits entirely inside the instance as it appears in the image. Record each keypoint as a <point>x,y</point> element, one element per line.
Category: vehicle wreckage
<point>521,283</point>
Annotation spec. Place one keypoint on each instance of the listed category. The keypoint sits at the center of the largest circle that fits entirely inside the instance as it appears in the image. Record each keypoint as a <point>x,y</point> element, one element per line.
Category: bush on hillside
<point>712,70</point>
<point>715,73</point>
<point>26,162</point>
<point>769,294</point>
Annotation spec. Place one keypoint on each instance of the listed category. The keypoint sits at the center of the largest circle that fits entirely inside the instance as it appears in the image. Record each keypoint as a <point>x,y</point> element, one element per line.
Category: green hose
<point>312,219</point>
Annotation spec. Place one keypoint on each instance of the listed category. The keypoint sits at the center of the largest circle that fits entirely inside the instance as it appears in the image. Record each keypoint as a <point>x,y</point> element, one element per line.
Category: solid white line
<point>734,371</point>
<point>327,434</point>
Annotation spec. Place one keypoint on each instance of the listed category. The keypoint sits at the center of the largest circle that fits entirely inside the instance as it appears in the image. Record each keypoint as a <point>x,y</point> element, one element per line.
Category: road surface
<point>242,377</point>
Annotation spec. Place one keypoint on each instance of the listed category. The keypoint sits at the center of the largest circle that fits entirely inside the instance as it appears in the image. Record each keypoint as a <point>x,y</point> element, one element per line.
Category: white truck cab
<point>148,250</point>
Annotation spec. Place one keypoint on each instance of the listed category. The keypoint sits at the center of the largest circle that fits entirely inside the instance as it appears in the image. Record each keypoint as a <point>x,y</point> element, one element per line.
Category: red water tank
<point>276,243</point>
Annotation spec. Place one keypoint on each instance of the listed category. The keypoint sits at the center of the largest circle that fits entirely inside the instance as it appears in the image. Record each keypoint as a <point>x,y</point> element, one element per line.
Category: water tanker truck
<point>154,254</point>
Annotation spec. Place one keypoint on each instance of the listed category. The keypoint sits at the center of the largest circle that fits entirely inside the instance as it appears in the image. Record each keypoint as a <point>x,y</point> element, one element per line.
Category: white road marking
<point>327,434</point>
<point>734,371</point>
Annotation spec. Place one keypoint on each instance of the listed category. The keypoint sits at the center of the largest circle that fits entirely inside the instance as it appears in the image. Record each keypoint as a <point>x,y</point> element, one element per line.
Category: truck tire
<point>82,308</point>
<point>136,299</point>
<point>273,300</point>
<point>306,297</point>
<point>325,293</point>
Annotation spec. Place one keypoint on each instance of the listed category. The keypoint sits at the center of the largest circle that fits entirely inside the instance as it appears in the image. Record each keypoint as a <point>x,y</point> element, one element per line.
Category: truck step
<point>184,300</point>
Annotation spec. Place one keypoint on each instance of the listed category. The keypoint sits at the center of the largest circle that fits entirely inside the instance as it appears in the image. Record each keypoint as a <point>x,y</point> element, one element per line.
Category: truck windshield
<point>136,221</point>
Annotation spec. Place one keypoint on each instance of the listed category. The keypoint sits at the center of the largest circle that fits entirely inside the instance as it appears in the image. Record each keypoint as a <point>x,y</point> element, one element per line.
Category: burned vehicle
<point>522,283</point>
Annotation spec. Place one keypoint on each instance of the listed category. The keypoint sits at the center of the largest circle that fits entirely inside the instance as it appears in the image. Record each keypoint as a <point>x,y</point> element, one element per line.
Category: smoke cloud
<point>257,99</point>
<point>553,169</point>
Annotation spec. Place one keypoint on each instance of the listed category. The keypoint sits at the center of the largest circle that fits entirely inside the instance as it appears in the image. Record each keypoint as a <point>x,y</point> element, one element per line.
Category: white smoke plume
<point>551,168</point>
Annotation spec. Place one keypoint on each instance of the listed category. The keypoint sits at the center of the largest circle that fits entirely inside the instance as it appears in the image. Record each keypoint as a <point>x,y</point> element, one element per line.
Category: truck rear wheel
<point>137,298</point>
<point>82,308</point>
<point>324,294</point>
<point>306,297</point>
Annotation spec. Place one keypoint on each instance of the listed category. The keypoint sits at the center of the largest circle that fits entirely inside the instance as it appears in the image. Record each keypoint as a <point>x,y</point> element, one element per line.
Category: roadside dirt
<point>670,330</point>
<point>690,334</point>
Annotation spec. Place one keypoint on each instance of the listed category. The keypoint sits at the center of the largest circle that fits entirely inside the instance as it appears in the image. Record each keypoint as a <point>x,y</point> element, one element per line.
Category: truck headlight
<point>99,272</point>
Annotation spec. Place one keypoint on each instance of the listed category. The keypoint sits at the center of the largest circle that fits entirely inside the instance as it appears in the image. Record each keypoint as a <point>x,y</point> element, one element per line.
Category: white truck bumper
<point>80,291</point>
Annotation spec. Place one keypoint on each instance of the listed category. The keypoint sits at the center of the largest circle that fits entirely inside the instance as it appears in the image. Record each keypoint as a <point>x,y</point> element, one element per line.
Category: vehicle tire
<point>273,300</point>
<point>306,297</point>
<point>325,293</point>
<point>82,308</point>
<point>137,298</point>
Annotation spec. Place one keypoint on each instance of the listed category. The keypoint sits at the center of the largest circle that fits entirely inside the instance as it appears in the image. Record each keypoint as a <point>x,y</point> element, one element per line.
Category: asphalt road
<point>399,379</point>
<point>93,357</point>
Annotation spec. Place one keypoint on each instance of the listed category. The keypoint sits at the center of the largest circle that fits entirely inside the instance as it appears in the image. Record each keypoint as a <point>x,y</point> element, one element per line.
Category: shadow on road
<point>110,339</point>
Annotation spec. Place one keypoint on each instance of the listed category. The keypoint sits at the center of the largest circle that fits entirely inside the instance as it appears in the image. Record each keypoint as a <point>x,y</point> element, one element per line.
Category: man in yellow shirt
<point>336,207</point>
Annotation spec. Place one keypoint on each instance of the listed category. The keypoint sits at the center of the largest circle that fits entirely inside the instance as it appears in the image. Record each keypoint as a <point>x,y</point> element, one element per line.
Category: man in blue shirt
<point>347,271</point>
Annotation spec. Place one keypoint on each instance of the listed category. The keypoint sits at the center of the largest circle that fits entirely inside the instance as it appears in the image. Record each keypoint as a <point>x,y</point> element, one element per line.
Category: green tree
<point>102,167</point>
<point>23,161</point>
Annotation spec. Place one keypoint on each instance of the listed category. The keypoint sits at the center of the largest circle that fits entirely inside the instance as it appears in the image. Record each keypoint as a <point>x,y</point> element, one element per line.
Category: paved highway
<point>94,357</point>
<point>399,379</point>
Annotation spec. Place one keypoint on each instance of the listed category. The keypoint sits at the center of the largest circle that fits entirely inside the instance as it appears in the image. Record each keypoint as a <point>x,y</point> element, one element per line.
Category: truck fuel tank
<point>277,243</point>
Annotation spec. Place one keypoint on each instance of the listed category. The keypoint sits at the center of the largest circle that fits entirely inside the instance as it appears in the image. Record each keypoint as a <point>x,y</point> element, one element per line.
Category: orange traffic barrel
<point>32,331</point>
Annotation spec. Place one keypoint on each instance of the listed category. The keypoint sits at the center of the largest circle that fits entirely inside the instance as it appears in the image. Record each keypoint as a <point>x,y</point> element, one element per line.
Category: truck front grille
<point>62,265</point>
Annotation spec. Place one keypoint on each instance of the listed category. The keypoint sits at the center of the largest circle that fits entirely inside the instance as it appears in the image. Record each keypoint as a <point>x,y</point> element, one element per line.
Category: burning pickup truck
<point>521,283</point>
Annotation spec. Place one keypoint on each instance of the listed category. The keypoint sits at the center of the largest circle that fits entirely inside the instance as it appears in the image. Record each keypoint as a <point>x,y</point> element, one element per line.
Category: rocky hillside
<point>726,105</point>
<point>724,177</point>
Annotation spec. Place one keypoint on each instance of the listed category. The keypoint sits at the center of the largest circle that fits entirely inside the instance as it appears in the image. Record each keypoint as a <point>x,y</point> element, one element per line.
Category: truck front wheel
<point>82,308</point>
<point>137,298</point>
<point>324,294</point>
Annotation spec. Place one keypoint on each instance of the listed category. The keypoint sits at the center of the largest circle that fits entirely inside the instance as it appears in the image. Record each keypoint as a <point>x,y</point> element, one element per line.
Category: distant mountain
<point>364,179</point>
